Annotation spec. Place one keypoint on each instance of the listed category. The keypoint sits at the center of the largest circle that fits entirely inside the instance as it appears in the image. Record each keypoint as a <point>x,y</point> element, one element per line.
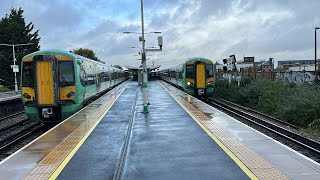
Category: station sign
<point>15,68</point>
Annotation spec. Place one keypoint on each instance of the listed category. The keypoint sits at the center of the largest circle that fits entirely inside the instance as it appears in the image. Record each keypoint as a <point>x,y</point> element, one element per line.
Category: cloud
<point>209,28</point>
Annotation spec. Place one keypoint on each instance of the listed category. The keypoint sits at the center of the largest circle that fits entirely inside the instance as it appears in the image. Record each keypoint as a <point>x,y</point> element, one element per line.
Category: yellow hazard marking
<point>56,173</point>
<point>244,168</point>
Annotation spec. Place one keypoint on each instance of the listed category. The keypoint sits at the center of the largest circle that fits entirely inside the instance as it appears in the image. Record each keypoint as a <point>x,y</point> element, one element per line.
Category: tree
<point>14,30</point>
<point>88,53</point>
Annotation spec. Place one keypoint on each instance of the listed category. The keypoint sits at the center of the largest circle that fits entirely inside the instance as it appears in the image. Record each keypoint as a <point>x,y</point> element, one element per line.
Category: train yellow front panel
<point>29,93</point>
<point>45,95</point>
<point>64,91</point>
<point>200,76</point>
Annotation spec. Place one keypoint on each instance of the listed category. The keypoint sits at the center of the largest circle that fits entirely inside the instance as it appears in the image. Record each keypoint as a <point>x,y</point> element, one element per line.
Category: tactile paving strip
<point>45,168</point>
<point>257,165</point>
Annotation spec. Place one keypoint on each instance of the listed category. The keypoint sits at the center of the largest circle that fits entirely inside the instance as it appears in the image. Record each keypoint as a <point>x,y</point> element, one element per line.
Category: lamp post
<point>315,53</point>
<point>14,62</point>
<point>144,67</point>
<point>144,62</point>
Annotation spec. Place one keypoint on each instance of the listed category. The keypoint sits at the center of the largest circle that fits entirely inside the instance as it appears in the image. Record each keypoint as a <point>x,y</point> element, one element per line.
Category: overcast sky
<point>214,29</point>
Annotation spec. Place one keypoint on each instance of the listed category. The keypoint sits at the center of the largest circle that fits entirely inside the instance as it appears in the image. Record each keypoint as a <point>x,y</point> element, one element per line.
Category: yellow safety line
<point>56,173</point>
<point>244,168</point>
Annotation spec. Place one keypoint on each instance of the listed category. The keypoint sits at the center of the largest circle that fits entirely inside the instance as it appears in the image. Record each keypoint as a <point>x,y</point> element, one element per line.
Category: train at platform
<point>55,83</point>
<point>196,76</point>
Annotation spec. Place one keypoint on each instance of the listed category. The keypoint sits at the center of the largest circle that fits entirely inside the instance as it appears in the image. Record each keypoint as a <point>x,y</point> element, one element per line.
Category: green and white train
<point>55,83</point>
<point>196,76</point>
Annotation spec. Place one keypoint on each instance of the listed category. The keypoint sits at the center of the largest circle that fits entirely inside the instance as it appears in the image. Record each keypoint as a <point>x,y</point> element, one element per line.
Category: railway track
<point>18,131</point>
<point>267,123</point>
<point>12,120</point>
<point>11,115</point>
<point>257,114</point>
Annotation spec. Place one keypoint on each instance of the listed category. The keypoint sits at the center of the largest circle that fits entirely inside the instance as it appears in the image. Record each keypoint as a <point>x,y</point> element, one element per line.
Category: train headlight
<point>70,94</point>
<point>210,83</point>
<point>26,95</point>
<point>189,83</point>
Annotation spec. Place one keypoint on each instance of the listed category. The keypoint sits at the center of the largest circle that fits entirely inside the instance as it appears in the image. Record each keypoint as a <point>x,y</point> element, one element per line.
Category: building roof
<point>267,63</point>
<point>148,67</point>
<point>296,62</point>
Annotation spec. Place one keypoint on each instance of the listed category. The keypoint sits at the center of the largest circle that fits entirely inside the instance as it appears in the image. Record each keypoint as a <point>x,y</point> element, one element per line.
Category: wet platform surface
<point>164,144</point>
<point>10,95</point>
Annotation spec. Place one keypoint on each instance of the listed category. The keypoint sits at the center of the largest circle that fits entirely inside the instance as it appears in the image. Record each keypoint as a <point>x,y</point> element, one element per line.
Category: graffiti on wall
<point>296,77</point>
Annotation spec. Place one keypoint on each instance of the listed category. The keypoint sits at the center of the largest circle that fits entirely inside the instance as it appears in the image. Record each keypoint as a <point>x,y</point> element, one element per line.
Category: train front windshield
<point>209,70</point>
<point>66,73</point>
<point>27,75</point>
<point>190,71</point>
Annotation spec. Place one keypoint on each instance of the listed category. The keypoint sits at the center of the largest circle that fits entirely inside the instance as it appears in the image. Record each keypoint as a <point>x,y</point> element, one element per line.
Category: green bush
<point>228,91</point>
<point>299,105</point>
<point>265,95</point>
<point>4,89</point>
<point>313,127</point>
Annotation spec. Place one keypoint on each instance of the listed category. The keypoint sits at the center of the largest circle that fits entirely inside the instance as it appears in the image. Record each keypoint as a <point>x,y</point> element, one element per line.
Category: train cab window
<point>190,71</point>
<point>66,73</point>
<point>209,70</point>
<point>27,75</point>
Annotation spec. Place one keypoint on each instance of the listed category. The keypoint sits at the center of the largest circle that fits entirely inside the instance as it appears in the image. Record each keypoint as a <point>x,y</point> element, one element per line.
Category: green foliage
<point>14,30</point>
<point>313,127</point>
<point>228,91</point>
<point>297,105</point>
<point>265,95</point>
<point>315,124</point>
<point>4,89</point>
<point>86,53</point>
<point>302,106</point>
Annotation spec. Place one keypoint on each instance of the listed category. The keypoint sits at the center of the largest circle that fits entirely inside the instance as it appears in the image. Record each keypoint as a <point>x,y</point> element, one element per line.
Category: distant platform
<point>10,95</point>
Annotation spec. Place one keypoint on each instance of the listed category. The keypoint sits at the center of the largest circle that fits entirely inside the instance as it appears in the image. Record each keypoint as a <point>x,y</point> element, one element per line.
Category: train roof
<point>61,52</point>
<point>51,51</point>
<point>197,59</point>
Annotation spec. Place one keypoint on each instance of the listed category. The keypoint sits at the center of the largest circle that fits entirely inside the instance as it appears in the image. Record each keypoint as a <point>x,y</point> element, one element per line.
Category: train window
<point>106,77</point>
<point>91,79</point>
<point>83,76</point>
<point>66,73</point>
<point>209,70</point>
<point>103,77</point>
<point>190,71</point>
<point>27,75</point>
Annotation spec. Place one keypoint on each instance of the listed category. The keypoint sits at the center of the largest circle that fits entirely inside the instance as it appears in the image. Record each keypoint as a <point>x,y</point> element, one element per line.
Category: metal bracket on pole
<point>153,49</point>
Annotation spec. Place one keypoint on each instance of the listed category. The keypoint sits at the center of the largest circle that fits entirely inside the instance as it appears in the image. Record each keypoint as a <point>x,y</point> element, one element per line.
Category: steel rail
<point>19,135</point>
<point>267,117</point>
<point>11,115</point>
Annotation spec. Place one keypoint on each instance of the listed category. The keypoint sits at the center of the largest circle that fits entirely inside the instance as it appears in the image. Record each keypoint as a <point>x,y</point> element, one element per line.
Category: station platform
<point>10,95</point>
<point>180,138</point>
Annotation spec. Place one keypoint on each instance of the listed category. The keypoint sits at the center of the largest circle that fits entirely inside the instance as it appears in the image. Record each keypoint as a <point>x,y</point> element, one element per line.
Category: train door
<point>45,80</point>
<point>200,78</point>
